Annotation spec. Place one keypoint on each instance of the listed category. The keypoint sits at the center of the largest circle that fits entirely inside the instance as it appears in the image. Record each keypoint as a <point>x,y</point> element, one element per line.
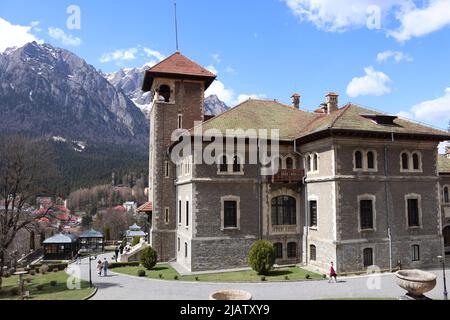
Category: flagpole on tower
<point>176,26</point>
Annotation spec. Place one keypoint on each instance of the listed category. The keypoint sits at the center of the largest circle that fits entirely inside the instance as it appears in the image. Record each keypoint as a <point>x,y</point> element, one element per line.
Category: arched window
<point>370,160</point>
<point>308,163</point>
<point>416,161</point>
<point>405,161</point>
<point>312,252</point>
<point>292,250</point>
<point>368,257</point>
<point>284,211</point>
<point>164,91</point>
<point>236,164</point>
<point>278,250</point>
<point>223,164</point>
<point>289,163</point>
<point>315,162</point>
<point>358,160</point>
<point>446,198</point>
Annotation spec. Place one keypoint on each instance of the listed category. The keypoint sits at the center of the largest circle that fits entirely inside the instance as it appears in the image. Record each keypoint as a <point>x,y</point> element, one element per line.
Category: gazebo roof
<point>61,238</point>
<point>91,234</point>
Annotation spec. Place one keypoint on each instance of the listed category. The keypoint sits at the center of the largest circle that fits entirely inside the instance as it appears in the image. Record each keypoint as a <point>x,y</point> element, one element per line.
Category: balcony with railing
<point>288,176</point>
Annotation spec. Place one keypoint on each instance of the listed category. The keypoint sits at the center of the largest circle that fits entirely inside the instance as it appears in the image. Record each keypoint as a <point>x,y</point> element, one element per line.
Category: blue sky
<point>266,48</point>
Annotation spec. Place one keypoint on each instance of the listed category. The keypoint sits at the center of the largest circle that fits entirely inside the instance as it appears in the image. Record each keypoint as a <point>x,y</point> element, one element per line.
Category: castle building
<point>348,184</point>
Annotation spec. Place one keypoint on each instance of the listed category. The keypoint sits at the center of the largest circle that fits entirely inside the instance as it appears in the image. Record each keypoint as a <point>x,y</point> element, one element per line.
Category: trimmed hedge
<point>123,264</point>
<point>149,257</point>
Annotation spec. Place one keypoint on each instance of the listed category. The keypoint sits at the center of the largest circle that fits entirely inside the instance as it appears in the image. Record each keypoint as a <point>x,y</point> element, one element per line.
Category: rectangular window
<point>179,245</point>
<point>180,121</point>
<point>185,250</point>
<point>415,253</point>
<point>313,213</point>
<point>187,213</point>
<point>366,214</point>
<point>292,250</point>
<point>230,214</point>
<point>166,215</point>
<point>179,211</point>
<point>413,213</point>
<point>167,169</point>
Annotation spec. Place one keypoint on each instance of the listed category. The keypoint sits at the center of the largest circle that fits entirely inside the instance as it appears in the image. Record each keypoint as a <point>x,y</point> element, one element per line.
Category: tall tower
<point>177,86</point>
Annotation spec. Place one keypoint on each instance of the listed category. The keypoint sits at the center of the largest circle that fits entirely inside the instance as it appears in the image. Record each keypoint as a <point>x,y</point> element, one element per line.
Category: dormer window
<point>164,93</point>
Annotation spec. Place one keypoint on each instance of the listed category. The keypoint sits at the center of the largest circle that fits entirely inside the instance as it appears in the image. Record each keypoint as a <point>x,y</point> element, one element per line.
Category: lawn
<point>58,292</point>
<point>168,273</point>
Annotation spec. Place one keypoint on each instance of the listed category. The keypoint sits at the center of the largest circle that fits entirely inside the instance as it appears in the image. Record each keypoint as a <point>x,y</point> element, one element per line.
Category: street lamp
<point>90,276</point>
<point>442,259</point>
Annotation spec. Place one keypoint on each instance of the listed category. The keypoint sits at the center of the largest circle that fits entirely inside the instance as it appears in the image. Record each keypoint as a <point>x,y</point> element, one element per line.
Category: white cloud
<point>15,35</point>
<point>398,56</point>
<point>119,55</point>
<point>216,57</point>
<point>417,22</point>
<point>437,110</point>
<point>66,39</point>
<point>338,16</point>
<point>154,54</point>
<point>373,83</point>
<point>225,94</point>
<point>405,114</point>
<point>230,70</point>
<point>401,19</point>
<point>132,54</point>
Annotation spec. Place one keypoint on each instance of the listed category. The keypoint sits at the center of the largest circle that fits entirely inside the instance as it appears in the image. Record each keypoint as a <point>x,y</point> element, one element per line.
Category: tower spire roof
<point>178,66</point>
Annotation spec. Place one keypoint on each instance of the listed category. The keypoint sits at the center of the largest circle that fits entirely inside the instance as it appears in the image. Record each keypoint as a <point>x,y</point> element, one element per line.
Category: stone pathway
<point>123,287</point>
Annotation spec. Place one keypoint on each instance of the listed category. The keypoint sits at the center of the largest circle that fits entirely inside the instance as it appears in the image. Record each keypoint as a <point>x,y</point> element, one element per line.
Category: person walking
<point>99,268</point>
<point>333,273</point>
<point>105,267</point>
<point>117,253</point>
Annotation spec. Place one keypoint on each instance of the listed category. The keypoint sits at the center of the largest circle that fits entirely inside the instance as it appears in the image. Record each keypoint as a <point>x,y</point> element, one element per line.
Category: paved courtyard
<point>122,287</point>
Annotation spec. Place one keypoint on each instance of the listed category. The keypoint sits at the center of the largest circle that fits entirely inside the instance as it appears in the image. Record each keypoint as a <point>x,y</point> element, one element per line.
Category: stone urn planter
<point>416,282</point>
<point>231,295</point>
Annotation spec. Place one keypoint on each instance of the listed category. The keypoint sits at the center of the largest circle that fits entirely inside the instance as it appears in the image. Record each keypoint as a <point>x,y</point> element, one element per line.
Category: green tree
<point>262,257</point>
<point>136,241</point>
<point>86,221</point>
<point>149,257</point>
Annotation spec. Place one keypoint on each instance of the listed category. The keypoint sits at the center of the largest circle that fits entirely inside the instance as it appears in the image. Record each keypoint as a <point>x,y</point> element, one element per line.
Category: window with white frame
<point>167,169</point>
<point>410,161</point>
<point>366,212</point>
<point>312,163</point>
<point>180,121</point>
<point>230,214</point>
<point>365,160</point>
<point>415,253</point>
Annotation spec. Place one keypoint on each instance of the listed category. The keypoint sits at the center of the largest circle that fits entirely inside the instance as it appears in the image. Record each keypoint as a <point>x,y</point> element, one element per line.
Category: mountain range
<point>53,94</point>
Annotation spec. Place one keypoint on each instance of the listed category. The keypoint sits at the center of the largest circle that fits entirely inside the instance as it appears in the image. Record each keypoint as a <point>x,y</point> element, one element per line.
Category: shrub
<point>141,273</point>
<point>149,257</point>
<point>324,276</point>
<point>261,257</point>
<point>6,274</point>
<point>307,277</point>
<point>11,271</point>
<point>263,278</point>
<point>197,279</point>
<point>55,269</point>
<point>286,278</point>
<point>40,287</point>
<point>43,269</point>
<point>175,278</point>
<point>36,270</point>
<point>32,272</point>
<point>135,241</point>
<point>28,280</point>
<point>53,283</point>
<point>160,276</point>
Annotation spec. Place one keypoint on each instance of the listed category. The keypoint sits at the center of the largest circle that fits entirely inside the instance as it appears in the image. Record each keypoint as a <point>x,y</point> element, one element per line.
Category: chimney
<point>332,102</point>
<point>296,100</point>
